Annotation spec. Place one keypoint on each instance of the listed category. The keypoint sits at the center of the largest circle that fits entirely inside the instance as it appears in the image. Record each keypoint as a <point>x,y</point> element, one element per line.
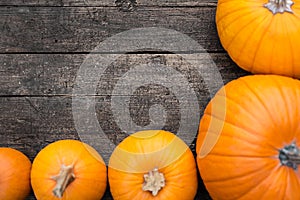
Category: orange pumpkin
<point>15,174</point>
<point>249,139</point>
<point>152,164</point>
<point>68,169</point>
<point>260,36</point>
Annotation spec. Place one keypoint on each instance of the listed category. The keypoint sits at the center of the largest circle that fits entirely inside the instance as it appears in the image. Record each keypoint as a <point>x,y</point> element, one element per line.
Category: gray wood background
<point>44,42</point>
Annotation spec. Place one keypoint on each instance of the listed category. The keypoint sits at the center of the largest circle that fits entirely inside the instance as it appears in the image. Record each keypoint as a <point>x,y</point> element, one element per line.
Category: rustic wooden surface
<point>43,43</point>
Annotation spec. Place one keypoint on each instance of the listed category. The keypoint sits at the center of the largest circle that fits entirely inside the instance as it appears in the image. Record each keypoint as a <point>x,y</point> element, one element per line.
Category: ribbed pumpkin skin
<point>14,174</point>
<point>126,178</point>
<point>89,169</point>
<point>257,40</point>
<point>262,116</point>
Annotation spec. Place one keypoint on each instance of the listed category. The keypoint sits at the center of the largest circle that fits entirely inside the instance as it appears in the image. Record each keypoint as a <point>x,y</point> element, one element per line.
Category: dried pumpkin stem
<point>290,156</point>
<point>63,179</point>
<point>279,6</point>
<point>153,181</point>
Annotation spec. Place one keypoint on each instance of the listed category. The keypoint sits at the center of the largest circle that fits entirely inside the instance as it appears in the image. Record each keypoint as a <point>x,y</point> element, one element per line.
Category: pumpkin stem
<point>279,6</point>
<point>63,179</point>
<point>290,156</point>
<point>154,181</point>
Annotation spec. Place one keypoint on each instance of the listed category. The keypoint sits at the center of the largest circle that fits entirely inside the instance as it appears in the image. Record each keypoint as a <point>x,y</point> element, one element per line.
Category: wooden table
<point>43,43</point>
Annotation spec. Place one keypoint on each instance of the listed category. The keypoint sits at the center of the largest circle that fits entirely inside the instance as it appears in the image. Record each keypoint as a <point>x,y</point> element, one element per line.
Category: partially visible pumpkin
<point>152,164</point>
<point>260,36</point>
<point>248,146</point>
<point>14,174</point>
<point>68,169</point>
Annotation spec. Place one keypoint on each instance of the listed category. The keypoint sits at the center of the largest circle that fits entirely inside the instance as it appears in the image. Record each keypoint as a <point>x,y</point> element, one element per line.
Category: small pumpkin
<point>68,169</point>
<point>15,174</point>
<point>248,146</point>
<point>261,36</point>
<point>152,164</point>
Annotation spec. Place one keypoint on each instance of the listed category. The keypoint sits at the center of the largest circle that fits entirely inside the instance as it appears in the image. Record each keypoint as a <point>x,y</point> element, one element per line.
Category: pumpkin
<point>68,169</point>
<point>261,36</point>
<point>249,139</point>
<point>152,164</point>
<point>15,174</point>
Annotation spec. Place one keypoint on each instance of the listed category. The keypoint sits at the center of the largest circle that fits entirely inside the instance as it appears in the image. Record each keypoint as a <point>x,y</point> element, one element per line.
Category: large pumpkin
<point>67,170</point>
<point>261,36</point>
<point>249,139</point>
<point>152,165</point>
<point>14,174</point>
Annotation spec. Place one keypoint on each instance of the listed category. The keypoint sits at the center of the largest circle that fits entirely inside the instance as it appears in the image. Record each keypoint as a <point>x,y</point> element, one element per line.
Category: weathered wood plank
<point>30,123</point>
<point>81,29</point>
<point>55,74</point>
<point>124,3</point>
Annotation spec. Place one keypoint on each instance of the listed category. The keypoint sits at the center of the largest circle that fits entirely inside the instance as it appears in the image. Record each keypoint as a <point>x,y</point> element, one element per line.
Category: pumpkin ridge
<point>250,113</point>
<point>270,60</point>
<point>297,131</point>
<point>260,183</point>
<point>131,193</point>
<point>290,45</point>
<point>290,178</point>
<point>210,132</point>
<point>277,179</point>
<point>259,98</point>
<point>287,172</point>
<point>174,145</point>
<point>278,48</point>
<point>249,39</point>
<point>7,174</point>
<point>259,44</point>
<point>240,30</point>
<point>242,156</point>
<point>239,105</point>
<point>252,144</point>
<point>256,135</point>
<point>82,167</point>
<point>286,104</point>
<point>185,158</point>
<point>232,12</point>
<point>267,169</point>
<point>44,196</point>
<point>296,14</point>
<point>252,135</point>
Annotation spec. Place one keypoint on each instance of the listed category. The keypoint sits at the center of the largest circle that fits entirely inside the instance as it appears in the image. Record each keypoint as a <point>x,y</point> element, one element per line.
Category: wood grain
<point>28,80</point>
<point>55,74</point>
<point>81,29</point>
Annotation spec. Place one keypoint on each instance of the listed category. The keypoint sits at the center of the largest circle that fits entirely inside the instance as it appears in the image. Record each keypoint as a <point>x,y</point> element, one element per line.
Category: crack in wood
<point>32,105</point>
